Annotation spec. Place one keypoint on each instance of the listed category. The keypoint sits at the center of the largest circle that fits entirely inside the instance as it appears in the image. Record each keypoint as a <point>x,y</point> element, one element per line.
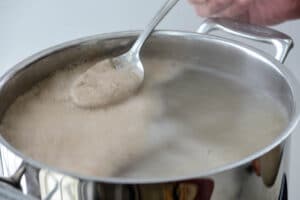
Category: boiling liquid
<point>183,121</point>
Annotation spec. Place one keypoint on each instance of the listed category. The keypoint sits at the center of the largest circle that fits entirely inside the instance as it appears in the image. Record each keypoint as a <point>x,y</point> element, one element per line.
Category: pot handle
<point>281,42</point>
<point>15,179</point>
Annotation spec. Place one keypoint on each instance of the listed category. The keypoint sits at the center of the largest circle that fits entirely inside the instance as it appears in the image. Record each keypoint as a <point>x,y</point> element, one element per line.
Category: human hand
<point>263,12</point>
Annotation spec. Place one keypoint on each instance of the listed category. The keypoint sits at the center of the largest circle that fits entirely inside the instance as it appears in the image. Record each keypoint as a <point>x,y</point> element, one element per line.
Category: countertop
<point>28,26</point>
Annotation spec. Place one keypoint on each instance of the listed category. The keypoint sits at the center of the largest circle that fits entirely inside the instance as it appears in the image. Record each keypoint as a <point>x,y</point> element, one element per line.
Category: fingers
<point>237,10</point>
<point>220,8</point>
<point>210,7</point>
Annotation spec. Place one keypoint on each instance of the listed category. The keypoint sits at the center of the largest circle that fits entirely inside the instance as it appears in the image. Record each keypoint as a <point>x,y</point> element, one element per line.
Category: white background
<point>28,26</point>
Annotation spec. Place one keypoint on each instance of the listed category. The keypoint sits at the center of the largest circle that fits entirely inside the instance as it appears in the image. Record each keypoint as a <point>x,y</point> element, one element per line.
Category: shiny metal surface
<point>132,57</point>
<point>282,42</point>
<point>258,176</point>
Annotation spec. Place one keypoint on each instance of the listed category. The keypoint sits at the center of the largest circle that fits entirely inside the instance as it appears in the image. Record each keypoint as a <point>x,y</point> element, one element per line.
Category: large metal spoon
<point>100,86</point>
<point>132,57</point>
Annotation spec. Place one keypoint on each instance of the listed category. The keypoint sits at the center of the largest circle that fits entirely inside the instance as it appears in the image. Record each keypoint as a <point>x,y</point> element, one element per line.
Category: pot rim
<point>256,53</point>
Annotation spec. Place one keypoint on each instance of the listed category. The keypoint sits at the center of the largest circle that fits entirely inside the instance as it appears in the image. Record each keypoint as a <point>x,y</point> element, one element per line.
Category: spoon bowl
<point>115,79</point>
<point>129,61</point>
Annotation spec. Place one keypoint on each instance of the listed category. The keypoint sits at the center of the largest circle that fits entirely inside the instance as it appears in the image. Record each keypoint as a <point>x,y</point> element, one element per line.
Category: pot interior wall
<point>209,54</point>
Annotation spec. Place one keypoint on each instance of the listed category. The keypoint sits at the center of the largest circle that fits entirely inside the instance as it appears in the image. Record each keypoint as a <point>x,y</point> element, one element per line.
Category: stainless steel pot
<point>263,175</point>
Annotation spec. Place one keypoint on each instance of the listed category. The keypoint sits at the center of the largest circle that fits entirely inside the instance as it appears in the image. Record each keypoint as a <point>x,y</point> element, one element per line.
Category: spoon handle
<point>149,29</point>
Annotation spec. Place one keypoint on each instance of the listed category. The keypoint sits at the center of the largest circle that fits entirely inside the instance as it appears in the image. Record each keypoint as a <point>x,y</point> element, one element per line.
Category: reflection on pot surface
<point>239,183</point>
<point>236,146</point>
<point>170,131</point>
